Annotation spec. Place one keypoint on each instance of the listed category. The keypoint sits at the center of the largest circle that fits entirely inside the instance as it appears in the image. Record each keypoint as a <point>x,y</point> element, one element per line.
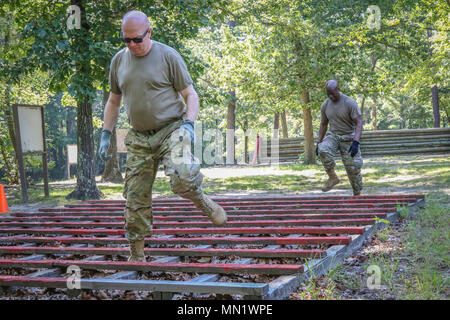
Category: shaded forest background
<point>256,65</point>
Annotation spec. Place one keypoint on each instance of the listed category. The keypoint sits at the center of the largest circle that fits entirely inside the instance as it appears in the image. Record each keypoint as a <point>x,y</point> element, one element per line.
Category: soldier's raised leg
<point>185,176</point>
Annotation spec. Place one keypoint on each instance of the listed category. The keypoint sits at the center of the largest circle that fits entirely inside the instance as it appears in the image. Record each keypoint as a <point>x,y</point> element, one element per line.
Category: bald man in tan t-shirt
<point>162,106</point>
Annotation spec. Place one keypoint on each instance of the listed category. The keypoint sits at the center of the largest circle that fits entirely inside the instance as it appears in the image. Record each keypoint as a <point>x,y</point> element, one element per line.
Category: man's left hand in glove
<point>188,125</point>
<point>354,148</point>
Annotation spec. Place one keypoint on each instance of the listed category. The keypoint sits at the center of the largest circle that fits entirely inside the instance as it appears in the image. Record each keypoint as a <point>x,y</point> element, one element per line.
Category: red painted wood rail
<point>179,240</point>
<point>194,252</point>
<point>280,216</point>
<point>189,231</point>
<point>191,224</point>
<point>221,268</point>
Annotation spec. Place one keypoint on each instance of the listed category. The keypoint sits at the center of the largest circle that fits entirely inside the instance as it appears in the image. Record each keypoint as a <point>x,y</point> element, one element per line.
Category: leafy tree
<point>78,58</point>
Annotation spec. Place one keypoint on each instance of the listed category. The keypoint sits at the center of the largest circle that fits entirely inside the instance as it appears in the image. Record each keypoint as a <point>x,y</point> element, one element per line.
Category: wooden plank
<point>199,217</point>
<point>161,201</point>
<point>191,208</point>
<point>198,241</point>
<point>247,202</point>
<point>140,285</point>
<point>222,268</point>
<point>255,230</point>
<point>229,212</point>
<point>189,224</point>
<point>195,252</point>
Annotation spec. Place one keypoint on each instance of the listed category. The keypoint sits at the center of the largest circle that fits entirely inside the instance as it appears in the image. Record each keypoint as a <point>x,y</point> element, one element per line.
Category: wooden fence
<point>374,143</point>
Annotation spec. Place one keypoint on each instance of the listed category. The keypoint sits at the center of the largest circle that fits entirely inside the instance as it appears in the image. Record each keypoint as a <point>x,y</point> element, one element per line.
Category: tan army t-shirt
<point>341,115</point>
<point>150,85</point>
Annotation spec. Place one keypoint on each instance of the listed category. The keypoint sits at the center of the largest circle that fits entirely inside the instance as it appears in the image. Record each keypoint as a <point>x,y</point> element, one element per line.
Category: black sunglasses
<point>136,40</point>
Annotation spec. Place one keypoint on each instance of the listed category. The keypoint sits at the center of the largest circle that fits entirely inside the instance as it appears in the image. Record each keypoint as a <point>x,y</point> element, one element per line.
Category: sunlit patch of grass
<point>262,183</point>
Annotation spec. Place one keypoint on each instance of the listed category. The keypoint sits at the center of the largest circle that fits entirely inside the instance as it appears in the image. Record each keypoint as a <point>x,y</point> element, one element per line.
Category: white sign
<point>72,153</point>
<point>30,119</point>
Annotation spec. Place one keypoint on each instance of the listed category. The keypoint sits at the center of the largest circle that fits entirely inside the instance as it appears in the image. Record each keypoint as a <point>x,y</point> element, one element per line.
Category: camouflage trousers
<point>145,151</point>
<point>330,146</point>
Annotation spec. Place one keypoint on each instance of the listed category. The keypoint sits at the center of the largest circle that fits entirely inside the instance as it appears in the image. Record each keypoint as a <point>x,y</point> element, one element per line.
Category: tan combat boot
<point>211,209</point>
<point>137,251</point>
<point>332,181</point>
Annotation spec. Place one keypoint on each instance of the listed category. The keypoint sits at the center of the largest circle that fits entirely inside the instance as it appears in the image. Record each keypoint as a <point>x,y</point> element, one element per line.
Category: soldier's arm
<point>192,102</point>
<point>358,130</point>
<point>323,128</point>
<point>111,113</point>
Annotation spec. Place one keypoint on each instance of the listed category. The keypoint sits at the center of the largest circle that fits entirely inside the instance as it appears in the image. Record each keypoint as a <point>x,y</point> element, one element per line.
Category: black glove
<point>189,126</point>
<point>354,148</point>
<point>104,144</point>
<point>317,149</point>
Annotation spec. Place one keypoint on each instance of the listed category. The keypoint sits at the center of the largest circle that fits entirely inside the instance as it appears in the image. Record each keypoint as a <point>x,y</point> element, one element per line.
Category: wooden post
<point>44,156</point>
<point>23,181</point>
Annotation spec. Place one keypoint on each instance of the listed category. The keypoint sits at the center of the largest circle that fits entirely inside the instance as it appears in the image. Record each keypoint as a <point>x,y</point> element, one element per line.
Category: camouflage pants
<point>330,146</point>
<point>145,150</point>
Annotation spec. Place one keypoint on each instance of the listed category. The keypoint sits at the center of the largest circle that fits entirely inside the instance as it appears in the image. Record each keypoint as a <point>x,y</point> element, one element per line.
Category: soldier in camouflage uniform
<point>345,120</point>
<point>162,106</point>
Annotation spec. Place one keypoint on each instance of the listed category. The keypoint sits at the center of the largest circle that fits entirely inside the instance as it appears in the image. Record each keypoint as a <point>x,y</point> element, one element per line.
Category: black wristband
<point>108,132</point>
<point>190,122</point>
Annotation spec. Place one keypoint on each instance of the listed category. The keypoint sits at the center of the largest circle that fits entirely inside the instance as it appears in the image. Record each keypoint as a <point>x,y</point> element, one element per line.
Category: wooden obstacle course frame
<point>277,289</point>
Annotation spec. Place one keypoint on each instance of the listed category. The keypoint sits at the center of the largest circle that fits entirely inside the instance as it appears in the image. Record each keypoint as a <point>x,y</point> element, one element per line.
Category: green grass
<point>428,245</point>
<point>414,267</point>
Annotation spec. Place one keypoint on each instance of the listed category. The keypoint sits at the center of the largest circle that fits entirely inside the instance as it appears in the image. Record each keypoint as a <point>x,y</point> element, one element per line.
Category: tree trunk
<point>86,186</point>
<point>276,126</point>
<point>435,101</point>
<point>434,94</point>
<point>246,159</point>
<point>70,122</point>
<point>362,106</point>
<point>13,172</point>
<point>374,113</point>
<point>284,124</point>
<point>308,130</point>
<point>112,169</point>
<point>231,129</point>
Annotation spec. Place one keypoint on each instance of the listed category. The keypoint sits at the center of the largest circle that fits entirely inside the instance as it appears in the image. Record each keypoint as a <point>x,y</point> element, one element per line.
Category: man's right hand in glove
<point>104,145</point>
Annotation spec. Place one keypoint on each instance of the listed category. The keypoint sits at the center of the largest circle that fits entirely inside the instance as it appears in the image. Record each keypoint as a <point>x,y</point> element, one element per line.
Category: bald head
<point>332,89</point>
<point>135,17</point>
<point>332,84</point>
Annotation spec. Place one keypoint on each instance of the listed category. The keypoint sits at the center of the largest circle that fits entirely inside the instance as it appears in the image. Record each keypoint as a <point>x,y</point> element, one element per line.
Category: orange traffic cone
<point>3,202</point>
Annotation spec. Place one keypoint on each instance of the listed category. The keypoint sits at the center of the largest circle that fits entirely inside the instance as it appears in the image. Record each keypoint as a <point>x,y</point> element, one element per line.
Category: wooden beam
<point>192,224</point>
<point>194,252</point>
<point>257,289</point>
<point>278,216</point>
<point>190,231</point>
<point>172,241</point>
<point>222,268</point>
